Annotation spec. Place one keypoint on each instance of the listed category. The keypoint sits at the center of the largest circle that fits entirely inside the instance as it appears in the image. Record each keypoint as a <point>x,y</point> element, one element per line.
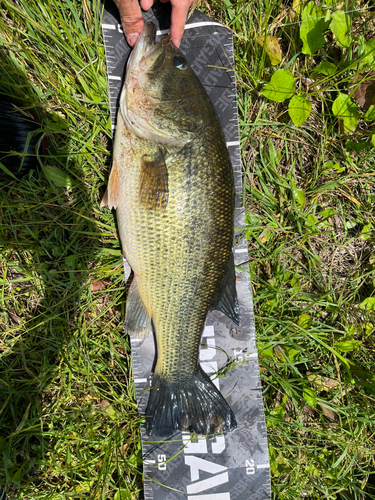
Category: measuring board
<point>235,465</point>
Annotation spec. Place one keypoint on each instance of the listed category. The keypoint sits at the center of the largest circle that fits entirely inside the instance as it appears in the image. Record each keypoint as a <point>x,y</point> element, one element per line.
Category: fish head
<point>162,99</point>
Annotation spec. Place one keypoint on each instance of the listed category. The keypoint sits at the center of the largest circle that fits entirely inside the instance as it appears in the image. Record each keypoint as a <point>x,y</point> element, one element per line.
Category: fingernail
<point>132,38</point>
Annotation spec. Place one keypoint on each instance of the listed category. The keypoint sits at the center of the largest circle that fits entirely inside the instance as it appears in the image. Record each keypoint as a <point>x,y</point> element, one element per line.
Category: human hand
<point>132,22</point>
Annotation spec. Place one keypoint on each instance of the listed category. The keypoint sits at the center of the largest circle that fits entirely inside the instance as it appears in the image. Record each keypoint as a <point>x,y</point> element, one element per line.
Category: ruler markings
<point>191,26</point>
<point>262,466</point>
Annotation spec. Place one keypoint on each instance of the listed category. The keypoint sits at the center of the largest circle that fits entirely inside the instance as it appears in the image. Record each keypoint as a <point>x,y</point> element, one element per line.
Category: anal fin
<point>226,300</point>
<point>112,194</point>
<point>137,320</point>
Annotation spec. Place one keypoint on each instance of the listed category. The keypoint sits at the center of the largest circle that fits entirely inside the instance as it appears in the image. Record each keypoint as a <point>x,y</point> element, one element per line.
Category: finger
<point>131,19</point>
<point>178,18</point>
<point>146,4</point>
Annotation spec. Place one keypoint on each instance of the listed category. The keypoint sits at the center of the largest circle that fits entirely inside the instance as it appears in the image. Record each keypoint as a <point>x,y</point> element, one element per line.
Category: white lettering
<point>196,464</point>
<point>208,352</point>
<point>218,445</point>
<point>194,445</point>
<point>162,462</point>
<point>250,466</point>
<point>211,367</point>
<point>211,496</point>
<point>206,484</point>
<point>208,331</point>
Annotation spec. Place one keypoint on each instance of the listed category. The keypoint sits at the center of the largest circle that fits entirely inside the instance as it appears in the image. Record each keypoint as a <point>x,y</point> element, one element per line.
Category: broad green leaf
<point>58,123</point>
<point>373,140</point>
<point>17,476</point>
<point>356,146</point>
<point>309,396</point>
<point>336,166</point>
<point>70,261</point>
<point>304,320</point>
<point>368,304</point>
<point>297,6</point>
<point>298,196</point>
<point>347,345</point>
<point>341,26</point>
<point>295,282</point>
<point>265,350</point>
<point>369,328</point>
<point>311,220</point>
<point>368,52</point>
<point>328,212</point>
<point>281,86</point>
<point>325,68</point>
<point>293,354</point>
<point>56,176</point>
<point>299,109</point>
<point>345,109</point>
<point>370,114</point>
<point>312,28</point>
<point>123,495</point>
<point>273,49</point>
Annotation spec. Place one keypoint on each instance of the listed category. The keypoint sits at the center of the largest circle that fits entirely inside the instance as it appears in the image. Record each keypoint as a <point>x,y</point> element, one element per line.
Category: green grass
<point>69,426</point>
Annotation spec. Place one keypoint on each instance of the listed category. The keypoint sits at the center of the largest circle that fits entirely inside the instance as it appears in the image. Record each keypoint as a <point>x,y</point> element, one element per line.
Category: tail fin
<point>194,405</point>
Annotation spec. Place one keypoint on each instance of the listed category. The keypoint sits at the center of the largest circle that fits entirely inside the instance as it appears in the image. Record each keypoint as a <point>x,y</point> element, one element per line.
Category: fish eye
<point>180,62</point>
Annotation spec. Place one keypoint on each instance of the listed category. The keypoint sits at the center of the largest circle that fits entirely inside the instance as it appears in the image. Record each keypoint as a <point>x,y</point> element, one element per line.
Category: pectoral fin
<point>226,300</point>
<point>111,196</point>
<point>137,321</point>
<point>153,182</point>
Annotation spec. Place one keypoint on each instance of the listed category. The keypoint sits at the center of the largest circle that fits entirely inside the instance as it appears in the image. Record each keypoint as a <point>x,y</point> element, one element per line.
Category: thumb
<point>131,19</point>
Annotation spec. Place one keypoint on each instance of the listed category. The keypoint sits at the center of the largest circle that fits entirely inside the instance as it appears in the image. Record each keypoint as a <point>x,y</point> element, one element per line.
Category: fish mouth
<point>146,51</point>
<point>145,43</point>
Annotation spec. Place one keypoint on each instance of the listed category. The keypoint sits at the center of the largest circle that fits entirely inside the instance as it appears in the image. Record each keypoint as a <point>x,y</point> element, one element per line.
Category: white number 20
<point>250,467</point>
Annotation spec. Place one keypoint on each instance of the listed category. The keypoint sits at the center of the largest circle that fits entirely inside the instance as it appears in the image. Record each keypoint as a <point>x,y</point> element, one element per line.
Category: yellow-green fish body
<point>172,186</point>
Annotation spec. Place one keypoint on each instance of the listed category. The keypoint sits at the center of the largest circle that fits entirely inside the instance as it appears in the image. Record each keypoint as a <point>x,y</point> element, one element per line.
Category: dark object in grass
<point>16,136</point>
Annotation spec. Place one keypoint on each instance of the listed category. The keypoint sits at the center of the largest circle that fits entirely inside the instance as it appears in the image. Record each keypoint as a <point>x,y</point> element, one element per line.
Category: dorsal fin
<point>112,194</point>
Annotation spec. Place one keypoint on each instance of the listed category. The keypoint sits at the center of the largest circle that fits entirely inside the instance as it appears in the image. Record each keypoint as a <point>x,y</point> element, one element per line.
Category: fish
<point>172,186</point>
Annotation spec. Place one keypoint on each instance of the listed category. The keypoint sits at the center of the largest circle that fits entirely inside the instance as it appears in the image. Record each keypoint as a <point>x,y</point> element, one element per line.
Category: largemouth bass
<point>172,186</point>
